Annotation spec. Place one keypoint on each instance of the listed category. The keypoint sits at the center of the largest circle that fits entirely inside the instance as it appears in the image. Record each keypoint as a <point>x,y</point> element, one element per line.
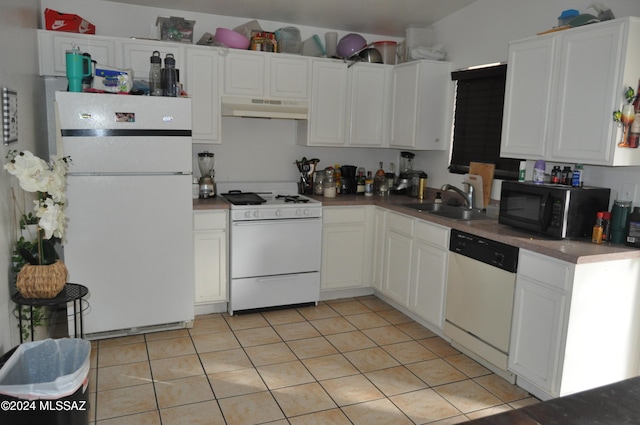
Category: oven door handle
<point>278,278</point>
<point>301,220</point>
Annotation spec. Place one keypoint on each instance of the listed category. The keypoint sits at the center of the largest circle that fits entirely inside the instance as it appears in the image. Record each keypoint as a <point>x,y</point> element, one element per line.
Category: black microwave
<point>553,210</point>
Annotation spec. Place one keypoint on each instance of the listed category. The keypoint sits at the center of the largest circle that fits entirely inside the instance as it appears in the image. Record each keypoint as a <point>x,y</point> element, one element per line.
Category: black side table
<point>72,292</point>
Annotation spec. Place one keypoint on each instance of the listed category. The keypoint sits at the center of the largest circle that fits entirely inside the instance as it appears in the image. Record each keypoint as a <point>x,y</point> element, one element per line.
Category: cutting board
<point>478,189</point>
<point>485,171</point>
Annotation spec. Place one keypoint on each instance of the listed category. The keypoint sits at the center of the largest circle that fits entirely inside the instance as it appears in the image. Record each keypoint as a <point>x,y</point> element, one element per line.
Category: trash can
<point>45,382</point>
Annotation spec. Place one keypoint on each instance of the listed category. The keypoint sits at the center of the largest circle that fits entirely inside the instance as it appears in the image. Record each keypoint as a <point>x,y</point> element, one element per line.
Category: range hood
<point>233,106</point>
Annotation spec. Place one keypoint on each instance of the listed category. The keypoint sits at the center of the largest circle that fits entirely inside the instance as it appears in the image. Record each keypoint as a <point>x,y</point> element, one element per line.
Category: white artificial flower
<point>49,180</point>
<point>51,218</point>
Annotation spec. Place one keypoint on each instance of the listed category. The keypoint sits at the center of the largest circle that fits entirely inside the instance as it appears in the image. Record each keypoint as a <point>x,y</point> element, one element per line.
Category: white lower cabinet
<point>346,248</point>
<point>575,326</point>
<point>415,262</point>
<point>429,272</point>
<point>398,253</point>
<point>540,308</point>
<point>210,238</point>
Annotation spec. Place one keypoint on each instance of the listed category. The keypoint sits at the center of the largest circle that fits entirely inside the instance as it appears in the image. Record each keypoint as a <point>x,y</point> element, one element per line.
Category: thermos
<point>155,75</point>
<point>619,215</point>
<point>170,76</point>
<point>78,67</point>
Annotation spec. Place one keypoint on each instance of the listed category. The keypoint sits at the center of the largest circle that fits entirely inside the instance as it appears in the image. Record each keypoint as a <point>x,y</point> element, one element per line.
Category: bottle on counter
<point>360,182</point>
<point>522,170</point>
<point>555,174</point>
<point>598,229</point>
<point>368,185</point>
<point>380,182</point>
<point>155,75</point>
<point>337,176</point>
<point>538,171</point>
<point>567,175</point>
<point>578,176</point>
<point>329,183</point>
<point>606,226</point>
<point>391,176</point>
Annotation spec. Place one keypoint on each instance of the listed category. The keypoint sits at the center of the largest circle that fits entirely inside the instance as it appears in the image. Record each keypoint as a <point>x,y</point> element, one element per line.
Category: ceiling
<point>383,17</point>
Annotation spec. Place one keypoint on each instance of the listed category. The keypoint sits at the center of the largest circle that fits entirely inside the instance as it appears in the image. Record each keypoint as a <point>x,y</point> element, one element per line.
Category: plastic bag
<point>47,369</point>
<point>604,13</point>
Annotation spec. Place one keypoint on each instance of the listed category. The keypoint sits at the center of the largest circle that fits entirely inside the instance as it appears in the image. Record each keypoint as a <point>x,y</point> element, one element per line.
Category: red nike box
<point>67,22</point>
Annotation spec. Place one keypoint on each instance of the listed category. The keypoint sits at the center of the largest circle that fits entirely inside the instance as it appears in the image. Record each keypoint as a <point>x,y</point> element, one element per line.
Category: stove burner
<point>293,198</point>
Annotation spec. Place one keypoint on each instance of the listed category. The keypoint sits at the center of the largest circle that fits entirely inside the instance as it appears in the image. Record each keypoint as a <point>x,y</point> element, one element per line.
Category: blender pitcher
<point>206,182</point>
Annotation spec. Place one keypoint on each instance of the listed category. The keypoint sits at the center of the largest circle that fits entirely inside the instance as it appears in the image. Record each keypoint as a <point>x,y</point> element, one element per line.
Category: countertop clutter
<point>572,251</point>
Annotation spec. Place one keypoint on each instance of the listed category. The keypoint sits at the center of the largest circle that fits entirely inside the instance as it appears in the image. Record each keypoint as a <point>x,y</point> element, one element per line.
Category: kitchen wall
<point>18,71</point>
<point>479,34</point>
<point>265,149</point>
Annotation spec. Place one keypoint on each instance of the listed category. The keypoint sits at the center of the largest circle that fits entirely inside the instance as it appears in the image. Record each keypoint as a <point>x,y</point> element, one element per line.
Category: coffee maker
<point>348,179</point>
<point>206,182</point>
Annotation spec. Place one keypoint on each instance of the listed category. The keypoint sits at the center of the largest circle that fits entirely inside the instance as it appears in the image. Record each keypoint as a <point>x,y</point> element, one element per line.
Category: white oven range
<point>275,240</point>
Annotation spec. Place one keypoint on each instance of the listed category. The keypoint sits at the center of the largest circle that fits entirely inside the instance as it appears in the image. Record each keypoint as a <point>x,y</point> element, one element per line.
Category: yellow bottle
<point>596,236</point>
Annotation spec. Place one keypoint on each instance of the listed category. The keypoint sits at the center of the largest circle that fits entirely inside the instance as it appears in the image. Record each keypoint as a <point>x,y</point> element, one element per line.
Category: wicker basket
<point>42,281</point>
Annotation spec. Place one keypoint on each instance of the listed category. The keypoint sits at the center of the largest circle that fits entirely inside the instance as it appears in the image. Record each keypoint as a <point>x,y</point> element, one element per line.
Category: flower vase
<point>627,118</point>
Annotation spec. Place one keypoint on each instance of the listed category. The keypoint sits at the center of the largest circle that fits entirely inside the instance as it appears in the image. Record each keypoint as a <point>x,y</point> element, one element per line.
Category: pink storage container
<point>388,51</point>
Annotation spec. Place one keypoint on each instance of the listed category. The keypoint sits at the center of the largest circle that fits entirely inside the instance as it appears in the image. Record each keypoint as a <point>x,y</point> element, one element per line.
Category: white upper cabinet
<point>258,74</point>
<point>421,105</point>
<point>327,124</point>
<point>525,124</point>
<point>562,89</point>
<point>53,46</point>
<point>349,105</point>
<point>369,88</point>
<point>136,56</point>
<point>202,82</point>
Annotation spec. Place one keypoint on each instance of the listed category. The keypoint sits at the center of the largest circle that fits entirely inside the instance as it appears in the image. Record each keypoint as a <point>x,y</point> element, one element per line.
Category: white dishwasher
<point>479,305</point>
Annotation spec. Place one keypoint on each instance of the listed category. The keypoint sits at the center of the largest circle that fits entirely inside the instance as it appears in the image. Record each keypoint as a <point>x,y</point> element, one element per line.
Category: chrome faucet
<point>467,196</point>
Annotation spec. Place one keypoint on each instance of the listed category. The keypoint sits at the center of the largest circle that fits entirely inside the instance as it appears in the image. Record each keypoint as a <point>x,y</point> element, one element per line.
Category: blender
<point>206,182</point>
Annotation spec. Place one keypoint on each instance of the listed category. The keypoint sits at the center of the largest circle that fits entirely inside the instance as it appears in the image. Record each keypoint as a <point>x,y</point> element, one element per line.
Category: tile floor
<point>350,361</point>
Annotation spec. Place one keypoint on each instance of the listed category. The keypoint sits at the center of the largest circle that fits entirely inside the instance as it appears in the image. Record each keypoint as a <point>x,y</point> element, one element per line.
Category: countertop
<point>614,404</point>
<point>572,251</point>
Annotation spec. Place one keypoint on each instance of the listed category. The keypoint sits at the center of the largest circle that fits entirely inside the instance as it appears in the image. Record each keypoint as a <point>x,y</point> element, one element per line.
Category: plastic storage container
<point>49,380</point>
<point>289,40</point>
<point>313,46</point>
<point>388,51</point>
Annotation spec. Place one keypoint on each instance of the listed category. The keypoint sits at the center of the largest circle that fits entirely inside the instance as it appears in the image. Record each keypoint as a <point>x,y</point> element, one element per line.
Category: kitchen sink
<point>461,214</point>
<point>430,207</point>
<point>448,211</point>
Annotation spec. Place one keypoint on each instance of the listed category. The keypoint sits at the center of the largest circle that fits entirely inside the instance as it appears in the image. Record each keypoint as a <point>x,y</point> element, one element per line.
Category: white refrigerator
<point>129,209</point>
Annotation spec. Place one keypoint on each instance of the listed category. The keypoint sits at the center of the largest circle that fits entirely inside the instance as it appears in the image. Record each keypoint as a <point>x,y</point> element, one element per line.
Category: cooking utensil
<point>371,55</point>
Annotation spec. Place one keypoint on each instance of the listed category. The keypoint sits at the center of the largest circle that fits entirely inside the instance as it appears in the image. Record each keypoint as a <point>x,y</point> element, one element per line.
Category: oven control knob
<point>247,214</point>
<point>307,212</point>
<point>299,212</point>
<point>278,213</point>
<point>256,214</point>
